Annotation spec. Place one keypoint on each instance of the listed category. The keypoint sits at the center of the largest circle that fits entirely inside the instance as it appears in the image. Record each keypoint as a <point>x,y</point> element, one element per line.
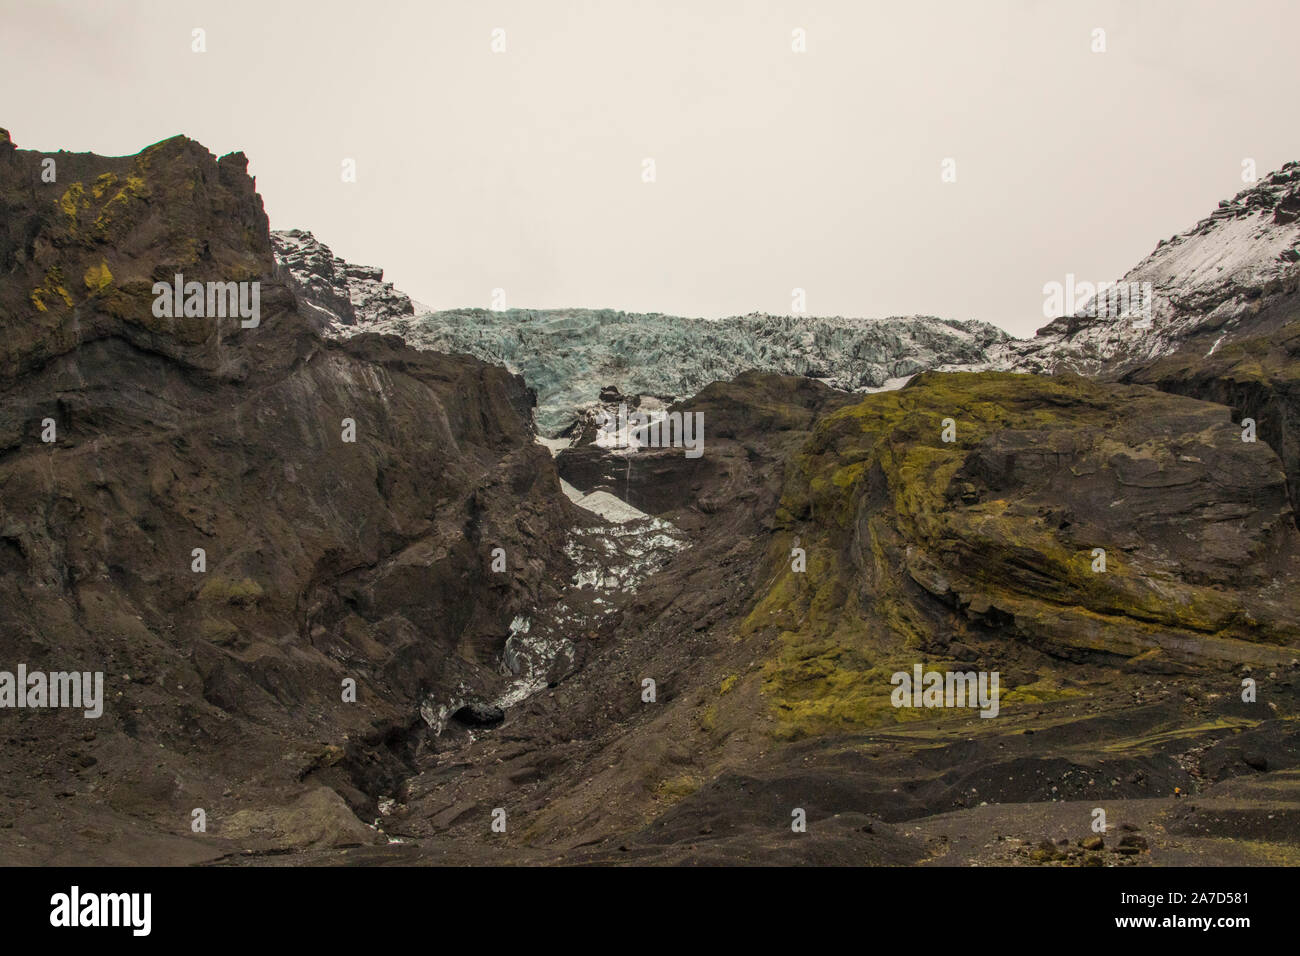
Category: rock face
<point>1226,326</point>
<point>103,233</point>
<point>1255,371</point>
<point>231,523</point>
<point>837,540</point>
<point>339,293</point>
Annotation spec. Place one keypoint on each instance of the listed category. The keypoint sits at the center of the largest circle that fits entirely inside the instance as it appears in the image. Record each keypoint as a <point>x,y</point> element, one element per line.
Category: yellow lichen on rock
<point>72,202</point>
<point>98,278</point>
<point>51,291</point>
<point>116,211</point>
<point>103,183</point>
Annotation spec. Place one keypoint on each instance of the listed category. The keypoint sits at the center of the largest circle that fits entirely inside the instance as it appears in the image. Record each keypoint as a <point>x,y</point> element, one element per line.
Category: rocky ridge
<point>343,293</point>
<point>1208,282</point>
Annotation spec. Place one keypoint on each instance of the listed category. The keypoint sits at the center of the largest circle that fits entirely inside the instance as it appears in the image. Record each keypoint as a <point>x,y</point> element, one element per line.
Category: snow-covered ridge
<point>1204,279</point>
<point>340,293</point>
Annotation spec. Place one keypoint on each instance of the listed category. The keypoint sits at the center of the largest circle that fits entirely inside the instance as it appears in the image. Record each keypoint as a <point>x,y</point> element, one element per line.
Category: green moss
<point>1148,742</point>
<point>819,687</point>
<point>709,719</point>
<point>848,476</point>
<point>677,788</point>
<point>876,499</point>
<point>224,590</point>
<point>1039,692</point>
<point>218,631</point>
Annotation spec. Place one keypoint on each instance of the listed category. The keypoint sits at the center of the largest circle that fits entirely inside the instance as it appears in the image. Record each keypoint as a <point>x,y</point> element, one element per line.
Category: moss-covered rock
<point>913,542</point>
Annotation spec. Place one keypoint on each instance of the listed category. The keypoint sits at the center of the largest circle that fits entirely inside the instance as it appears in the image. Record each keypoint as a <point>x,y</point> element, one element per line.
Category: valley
<point>567,651</point>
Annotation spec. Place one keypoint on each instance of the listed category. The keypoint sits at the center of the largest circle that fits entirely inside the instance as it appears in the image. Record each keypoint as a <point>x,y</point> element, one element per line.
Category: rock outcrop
<point>244,529</point>
<point>339,293</point>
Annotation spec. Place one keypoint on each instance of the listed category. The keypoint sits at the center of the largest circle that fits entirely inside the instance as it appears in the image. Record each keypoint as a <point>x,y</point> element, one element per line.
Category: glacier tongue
<point>570,355</point>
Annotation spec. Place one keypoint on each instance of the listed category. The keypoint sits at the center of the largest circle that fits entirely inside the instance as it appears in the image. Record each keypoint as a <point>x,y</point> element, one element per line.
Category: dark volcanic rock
<point>327,560</point>
<point>1254,370</point>
<point>754,408</point>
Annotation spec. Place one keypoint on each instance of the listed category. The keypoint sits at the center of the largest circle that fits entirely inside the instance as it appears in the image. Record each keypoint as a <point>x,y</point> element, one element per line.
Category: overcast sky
<point>774,170</point>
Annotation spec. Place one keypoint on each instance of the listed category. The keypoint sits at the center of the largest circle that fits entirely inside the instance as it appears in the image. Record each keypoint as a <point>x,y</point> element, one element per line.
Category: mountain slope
<point>1207,285</point>
<point>773,682</point>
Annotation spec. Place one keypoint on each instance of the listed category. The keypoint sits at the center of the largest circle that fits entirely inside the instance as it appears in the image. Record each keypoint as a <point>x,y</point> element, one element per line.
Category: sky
<point>503,145</point>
